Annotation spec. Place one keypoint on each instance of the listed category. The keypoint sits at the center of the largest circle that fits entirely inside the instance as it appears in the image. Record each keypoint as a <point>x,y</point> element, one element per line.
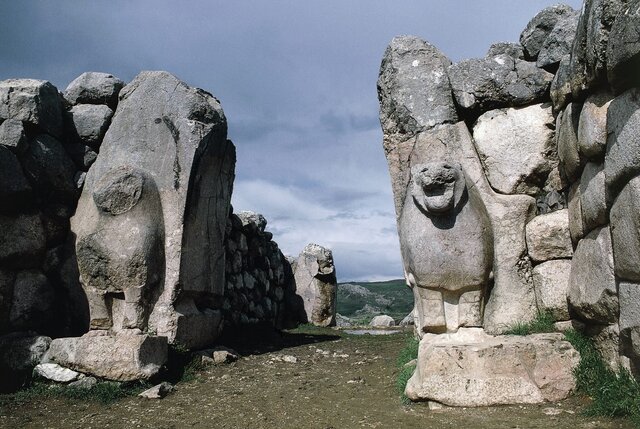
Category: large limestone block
<point>592,285</point>
<point>125,356</point>
<point>576,222</point>
<point>12,136</point>
<point>94,88</point>
<point>33,302</point>
<point>413,87</point>
<point>625,231</point>
<point>490,83</point>
<point>516,147</point>
<point>623,142</point>
<point>316,284</point>
<point>606,340</point>
<point>559,42</point>
<point>472,369</point>
<point>23,241</point>
<point>415,95</point>
<point>623,48</point>
<point>567,141</point>
<point>592,128</point>
<point>514,50</point>
<point>540,27</point>
<point>560,90</point>
<point>589,52</point>
<point>50,169</point>
<point>593,202</point>
<point>33,101</point>
<point>162,186</point>
<point>630,323</point>
<point>551,282</point>
<point>87,123</point>
<point>14,188</point>
<point>548,236</point>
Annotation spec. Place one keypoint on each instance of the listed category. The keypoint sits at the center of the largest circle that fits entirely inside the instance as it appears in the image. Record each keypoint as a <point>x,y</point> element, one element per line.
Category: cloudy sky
<point>297,81</point>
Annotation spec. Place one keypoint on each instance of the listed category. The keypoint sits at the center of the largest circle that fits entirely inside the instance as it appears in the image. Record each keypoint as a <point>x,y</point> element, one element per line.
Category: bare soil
<point>338,381</point>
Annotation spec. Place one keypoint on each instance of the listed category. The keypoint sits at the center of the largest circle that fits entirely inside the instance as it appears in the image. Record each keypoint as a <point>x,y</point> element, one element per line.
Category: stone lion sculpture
<point>447,247</point>
<point>121,261</point>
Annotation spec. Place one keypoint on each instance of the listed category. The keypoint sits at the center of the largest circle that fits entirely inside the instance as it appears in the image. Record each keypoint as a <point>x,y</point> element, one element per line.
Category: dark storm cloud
<point>297,80</point>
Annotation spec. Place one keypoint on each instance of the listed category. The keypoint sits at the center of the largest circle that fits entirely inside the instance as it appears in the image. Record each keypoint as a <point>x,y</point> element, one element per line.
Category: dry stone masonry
<point>515,182</point>
<point>118,237</point>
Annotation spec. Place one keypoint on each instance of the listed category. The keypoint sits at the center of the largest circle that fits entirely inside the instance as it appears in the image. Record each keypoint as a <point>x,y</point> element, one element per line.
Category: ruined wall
<point>116,218</point>
<point>545,132</point>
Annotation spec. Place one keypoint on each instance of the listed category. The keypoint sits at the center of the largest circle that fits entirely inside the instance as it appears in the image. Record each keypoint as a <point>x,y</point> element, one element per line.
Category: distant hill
<point>363,300</point>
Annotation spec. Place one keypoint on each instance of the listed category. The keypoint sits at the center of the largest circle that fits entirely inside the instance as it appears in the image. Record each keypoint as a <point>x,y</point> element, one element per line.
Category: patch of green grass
<point>614,394</point>
<point>406,355</point>
<point>542,323</point>
<point>105,392</point>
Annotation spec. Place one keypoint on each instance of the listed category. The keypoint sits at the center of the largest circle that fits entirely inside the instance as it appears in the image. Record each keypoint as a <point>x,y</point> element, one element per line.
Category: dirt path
<point>339,381</point>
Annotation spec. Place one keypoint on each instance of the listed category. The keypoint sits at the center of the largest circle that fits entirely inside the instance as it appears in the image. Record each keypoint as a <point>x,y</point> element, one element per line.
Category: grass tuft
<point>406,355</point>
<point>542,323</point>
<point>614,394</point>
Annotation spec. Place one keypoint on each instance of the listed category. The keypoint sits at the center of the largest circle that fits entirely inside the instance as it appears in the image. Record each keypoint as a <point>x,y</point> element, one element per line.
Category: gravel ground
<point>306,378</point>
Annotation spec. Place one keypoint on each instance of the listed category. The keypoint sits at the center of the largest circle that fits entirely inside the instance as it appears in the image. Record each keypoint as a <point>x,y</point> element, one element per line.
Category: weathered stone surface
<point>588,56</point>
<point>32,305</point>
<point>22,351</point>
<point>23,241</point>
<point>413,88</point>
<point>593,203</point>
<point>7,279</point>
<point>567,142</point>
<point>514,50</point>
<point>623,142</point>
<point>158,391</point>
<point>606,339</point>
<point>512,296</point>
<point>551,282</point>
<point>489,83</point>
<point>125,356</point>
<point>33,101</point>
<point>473,369</point>
<point>592,127</point>
<point>88,123</point>
<point>82,155</point>
<point>408,320</point>
<point>49,168</point>
<point>382,321</point>
<point>54,372</point>
<point>171,219</point>
<point>625,231</point>
<point>576,223</point>
<point>316,284</point>
<point>592,286</point>
<point>12,136</point>
<point>447,247</point>
<point>623,48</point>
<point>84,383</point>
<point>94,88</point>
<point>14,188</point>
<point>516,147</point>
<point>252,219</point>
<point>629,295</point>
<point>559,41</point>
<point>537,31</point>
<point>548,236</point>
<point>560,90</point>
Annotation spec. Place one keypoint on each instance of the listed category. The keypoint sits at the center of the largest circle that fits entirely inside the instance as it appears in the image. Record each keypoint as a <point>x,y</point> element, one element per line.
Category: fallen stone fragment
<point>55,372</point>
<point>84,383</point>
<point>158,391</point>
<point>383,321</point>
<point>94,88</point>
